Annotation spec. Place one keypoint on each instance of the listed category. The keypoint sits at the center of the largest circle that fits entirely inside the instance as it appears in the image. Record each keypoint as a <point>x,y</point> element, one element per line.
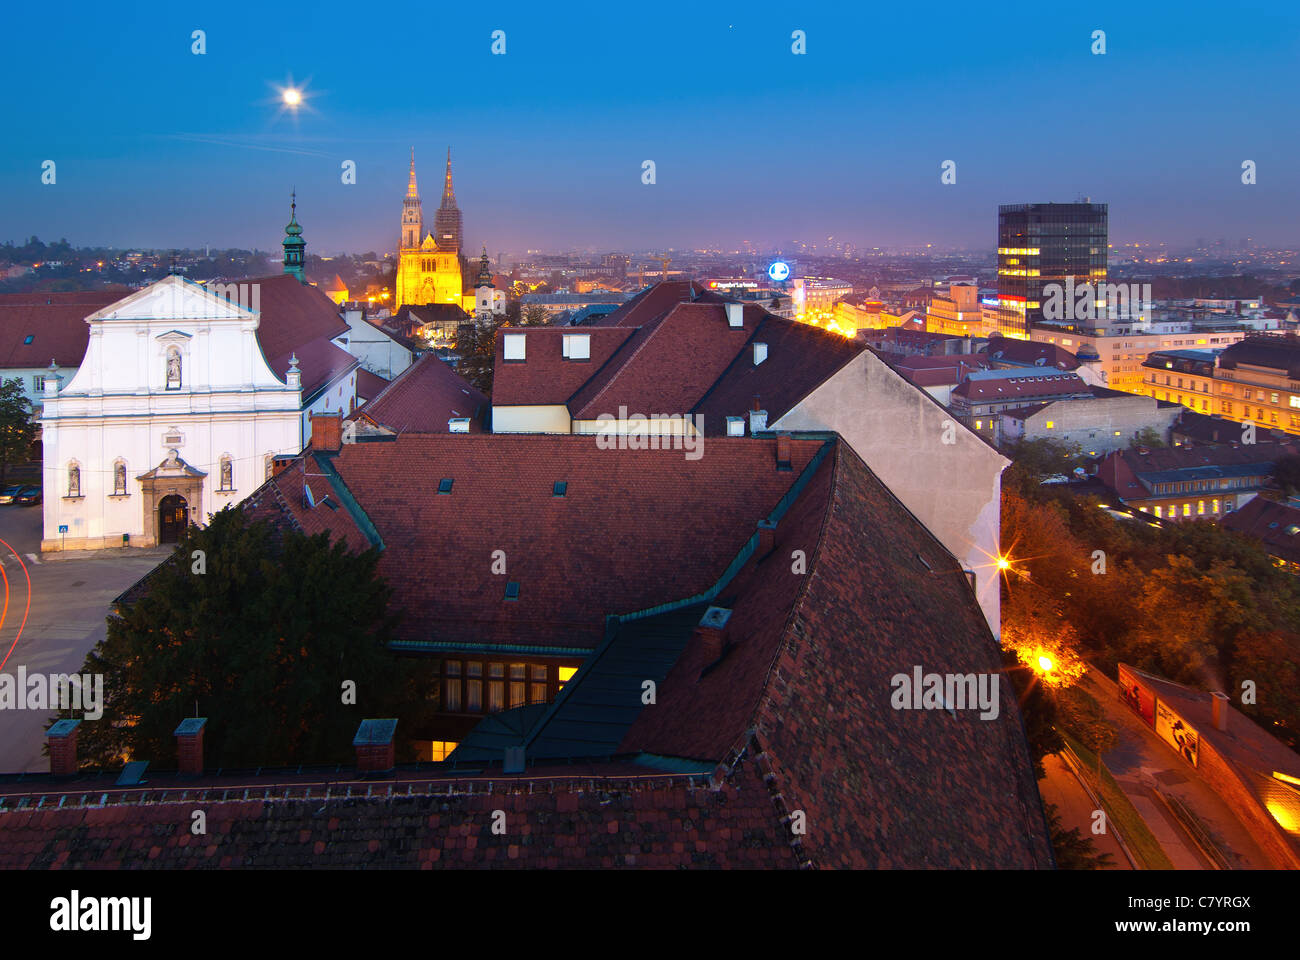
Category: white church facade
<point>184,398</point>
<point>172,415</point>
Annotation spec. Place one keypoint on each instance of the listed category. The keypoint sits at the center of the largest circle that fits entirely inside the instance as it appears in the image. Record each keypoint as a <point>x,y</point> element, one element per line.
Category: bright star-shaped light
<point>292,97</point>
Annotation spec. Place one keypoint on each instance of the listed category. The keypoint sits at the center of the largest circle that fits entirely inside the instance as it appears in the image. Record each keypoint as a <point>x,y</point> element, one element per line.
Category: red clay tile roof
<point>936,371</point>
<point>800,357</point>
<point>1020,387</point>
<point>1011,351</point>
<point>574,817</point>
<point>297,318</point>
<point>686,359</point>
<point>1276,524</point>
<point>596,541</point>
<point>810,675</point>
<point>58,327</point>
<point>369,385</point>
<point>423,398</point>
<point>545,377</point>
<point>652,303</point>
<point>668,366</point>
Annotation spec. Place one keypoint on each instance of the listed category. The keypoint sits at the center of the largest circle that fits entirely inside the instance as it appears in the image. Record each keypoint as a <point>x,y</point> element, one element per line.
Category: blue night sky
<point>158,147</point>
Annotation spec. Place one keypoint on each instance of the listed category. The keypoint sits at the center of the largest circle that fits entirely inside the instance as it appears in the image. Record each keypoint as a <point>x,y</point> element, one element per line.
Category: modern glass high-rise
<point>1042,243</point>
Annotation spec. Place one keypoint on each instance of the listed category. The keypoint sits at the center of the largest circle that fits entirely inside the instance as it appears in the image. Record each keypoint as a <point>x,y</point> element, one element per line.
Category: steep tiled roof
<point>597,535</point>
<point>937,371</point>
<point>602,817</point>
<point>56,322</point>
<point>545,376</point>
<point>652,303</point>
<point>1020,386</point>
<point>685,358</point>
<point>369,385</point>
<point>1029,353</point>
<point>1278,353</point>
<point>1277,524</point>
<point>423,398</point>
<point>800,357</point>
<point>1123,470</point>
<point>298,319</point>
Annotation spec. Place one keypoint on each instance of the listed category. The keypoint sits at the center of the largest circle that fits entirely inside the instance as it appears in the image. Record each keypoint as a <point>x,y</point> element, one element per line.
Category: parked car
<point>28,496</point>
<point>8,493</point>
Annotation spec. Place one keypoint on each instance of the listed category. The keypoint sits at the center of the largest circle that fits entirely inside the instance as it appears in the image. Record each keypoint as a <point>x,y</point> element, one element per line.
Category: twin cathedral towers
<point>428,263</point>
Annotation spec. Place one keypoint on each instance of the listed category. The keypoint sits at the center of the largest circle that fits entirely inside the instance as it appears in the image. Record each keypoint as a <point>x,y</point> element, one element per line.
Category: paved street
<point>1075,807</point>
<point>70,596</point>
<point>1145,768</point>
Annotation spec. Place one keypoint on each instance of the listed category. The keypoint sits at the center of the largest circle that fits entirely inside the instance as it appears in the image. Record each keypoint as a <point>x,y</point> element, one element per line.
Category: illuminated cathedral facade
<point>428,263</point>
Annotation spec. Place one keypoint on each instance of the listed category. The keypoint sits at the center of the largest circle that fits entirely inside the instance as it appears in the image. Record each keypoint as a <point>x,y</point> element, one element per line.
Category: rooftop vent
<point>757,420</point>
<point>735,426</point>
<point>444,485</point>
<point>458,425</point>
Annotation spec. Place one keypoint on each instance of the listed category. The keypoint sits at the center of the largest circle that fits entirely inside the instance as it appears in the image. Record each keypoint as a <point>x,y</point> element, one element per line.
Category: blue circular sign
<point>779,271</point>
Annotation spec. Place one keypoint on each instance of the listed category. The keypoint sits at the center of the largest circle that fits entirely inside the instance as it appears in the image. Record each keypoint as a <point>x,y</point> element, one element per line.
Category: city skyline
<point>743,147</point>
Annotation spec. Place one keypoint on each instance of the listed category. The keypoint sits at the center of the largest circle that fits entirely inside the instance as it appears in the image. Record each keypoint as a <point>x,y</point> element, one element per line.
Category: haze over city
<point>156,146</point>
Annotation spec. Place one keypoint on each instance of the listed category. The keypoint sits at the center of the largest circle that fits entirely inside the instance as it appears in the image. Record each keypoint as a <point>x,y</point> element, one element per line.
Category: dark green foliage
<point>260,643</point>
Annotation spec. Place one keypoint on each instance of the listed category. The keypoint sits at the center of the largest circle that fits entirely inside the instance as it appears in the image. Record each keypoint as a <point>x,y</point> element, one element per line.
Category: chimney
<point>712,632</point>
<point>62,741</point>
<point>327,431</point>
<point>189,746</point>
<point>757,420</point>
<point>1219,710</point>
<point>374,745</point>
<point>735,315</point>
<point>783,452</point>
<point>766,537</point>
<point>760,353</point>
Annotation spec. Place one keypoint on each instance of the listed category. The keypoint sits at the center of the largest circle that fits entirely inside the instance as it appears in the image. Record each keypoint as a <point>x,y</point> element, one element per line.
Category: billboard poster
<point>1177,733</point>
<point>1140,700</point>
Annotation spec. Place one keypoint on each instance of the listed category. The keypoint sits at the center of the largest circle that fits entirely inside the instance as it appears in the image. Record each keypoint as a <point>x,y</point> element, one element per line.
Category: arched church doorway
<point>173,518</point>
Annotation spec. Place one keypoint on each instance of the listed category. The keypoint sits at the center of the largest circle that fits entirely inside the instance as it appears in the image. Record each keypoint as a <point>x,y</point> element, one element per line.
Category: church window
<point>74,480</point>
<point>119,478</point>
<point>173,369</point>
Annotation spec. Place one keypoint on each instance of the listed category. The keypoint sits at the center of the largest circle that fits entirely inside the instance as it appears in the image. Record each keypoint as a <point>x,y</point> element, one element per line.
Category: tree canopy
<point>260,630</point>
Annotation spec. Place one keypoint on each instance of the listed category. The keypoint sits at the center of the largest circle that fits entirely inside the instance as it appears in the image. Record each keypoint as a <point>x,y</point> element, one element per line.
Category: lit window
<point>1051,424</point>
<point>1187,509</point>
<point>564,675</point>
<point>1200,506</point>
<point>1160,511</point>
<point>979,424</point>
<point>441,749</point>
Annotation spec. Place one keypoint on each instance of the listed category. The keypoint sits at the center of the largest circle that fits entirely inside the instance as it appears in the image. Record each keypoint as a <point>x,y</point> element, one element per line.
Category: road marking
<point>32,558</point>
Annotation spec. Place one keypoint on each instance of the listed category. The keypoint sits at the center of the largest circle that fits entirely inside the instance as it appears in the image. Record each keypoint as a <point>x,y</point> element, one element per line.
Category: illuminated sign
<point>779,271</point>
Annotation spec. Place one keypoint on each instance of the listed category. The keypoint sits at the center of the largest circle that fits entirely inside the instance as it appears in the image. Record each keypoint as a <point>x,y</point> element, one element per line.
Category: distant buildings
<point>1255,380</point>
<point>1191,483</point>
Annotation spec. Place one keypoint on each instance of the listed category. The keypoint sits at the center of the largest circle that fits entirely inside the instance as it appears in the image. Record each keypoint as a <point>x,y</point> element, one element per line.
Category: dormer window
<point>513,347</point>
<point>577,346</point>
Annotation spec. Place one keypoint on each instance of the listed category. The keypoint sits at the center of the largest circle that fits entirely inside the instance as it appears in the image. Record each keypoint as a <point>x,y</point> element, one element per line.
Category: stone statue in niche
<point>227,475</point>
<point>119,479</point>
<point>74,481</point>
<point>173,369</point>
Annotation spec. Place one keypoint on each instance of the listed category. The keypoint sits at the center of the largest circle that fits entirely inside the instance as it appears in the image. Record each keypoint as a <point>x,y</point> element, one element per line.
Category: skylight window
<point>560,489</point>
<point>513,346</point>
<point>29,338</point>
<point>512,590</point>
<point>444,485</point>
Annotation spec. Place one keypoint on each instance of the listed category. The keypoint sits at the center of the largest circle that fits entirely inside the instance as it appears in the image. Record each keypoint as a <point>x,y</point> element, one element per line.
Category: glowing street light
<point>1004,563</point>
<point>1045,664</point>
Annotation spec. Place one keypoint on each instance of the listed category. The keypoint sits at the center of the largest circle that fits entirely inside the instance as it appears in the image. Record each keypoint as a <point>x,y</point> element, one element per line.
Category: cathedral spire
<point>411,189</point>
<point>448,194</point>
